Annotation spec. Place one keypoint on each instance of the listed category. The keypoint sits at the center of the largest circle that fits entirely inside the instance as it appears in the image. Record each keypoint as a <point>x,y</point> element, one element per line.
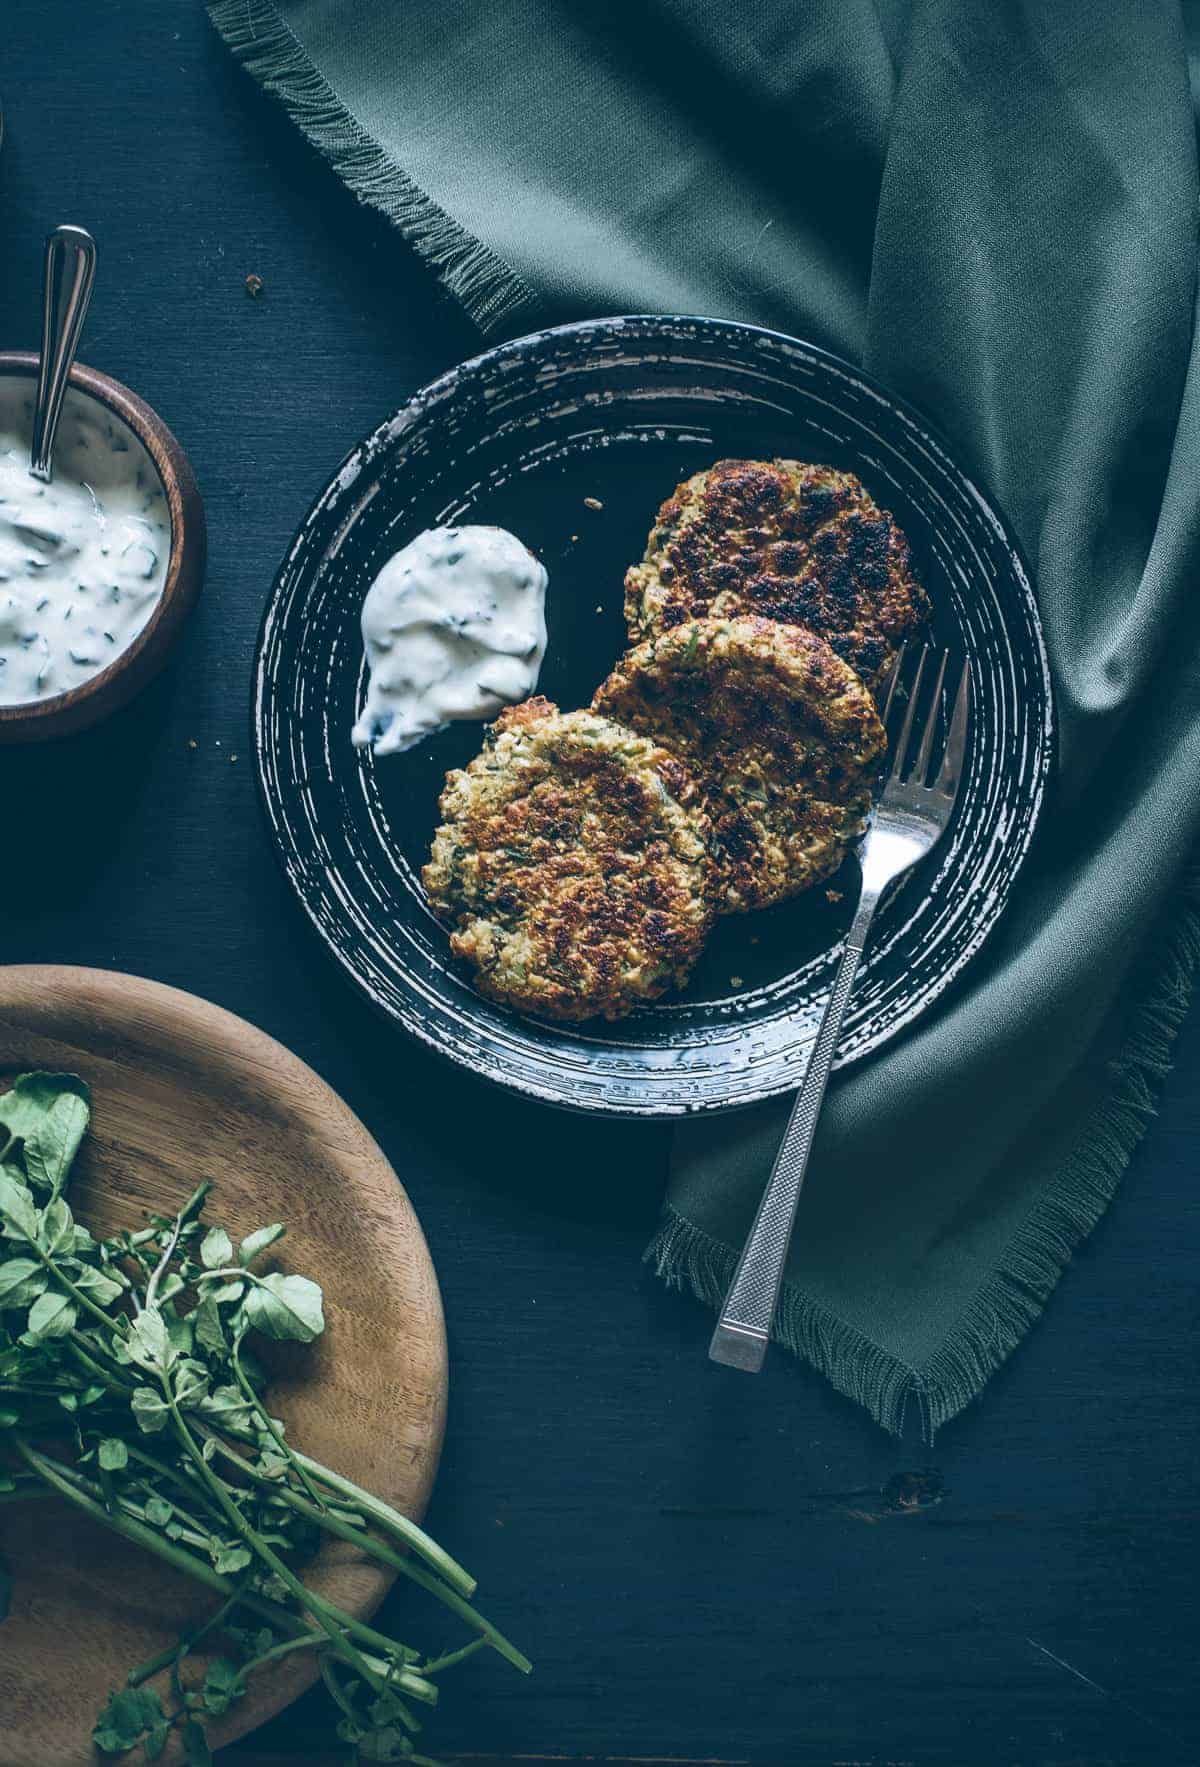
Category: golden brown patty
<point>574,865</point>
<point>801,544</point>
<point>781,735</point>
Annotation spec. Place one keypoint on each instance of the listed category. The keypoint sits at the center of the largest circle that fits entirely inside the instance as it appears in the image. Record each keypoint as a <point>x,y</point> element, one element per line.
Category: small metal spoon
<point>70,271</point>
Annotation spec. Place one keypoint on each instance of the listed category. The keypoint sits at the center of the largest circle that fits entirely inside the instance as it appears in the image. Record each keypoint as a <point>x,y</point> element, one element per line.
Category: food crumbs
<point>592,503</point>
<point>736,981</point>
<point>254,286</point>
<point>232,759</point>
<point>833,895</point>
<point>192,743</point>
<point>600,609</point>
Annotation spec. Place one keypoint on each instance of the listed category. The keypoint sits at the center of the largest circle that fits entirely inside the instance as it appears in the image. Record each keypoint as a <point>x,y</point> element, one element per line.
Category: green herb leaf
<point>257,1242</point>
<point>191,1382</point>
<point>226,1402</point>
<point>52,1144</point>
<point>16,1205</point>
<point>229,1557</point>
<point>156,1740</point>
<point>126,1718</point>
<point>287,1308</point>
<point>102,1288</point>
<point>21,1281</point>
<point>228,1291</point>
<point>56,1235</point>
<point>179,1332</point>
<point>150,1410</point>
<point>31,1100</point>
<point>388,1744</point>
<point>149,1344</point>
<point>207,1328</point>
<point>216,1249</point>
<point>52,1316</point>
<point>158,1511</point>
<point>222,1683</point>
<point>113,1454</point>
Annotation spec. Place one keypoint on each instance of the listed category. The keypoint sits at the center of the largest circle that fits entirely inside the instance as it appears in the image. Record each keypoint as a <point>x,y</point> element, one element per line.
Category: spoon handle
<point>70,271</point>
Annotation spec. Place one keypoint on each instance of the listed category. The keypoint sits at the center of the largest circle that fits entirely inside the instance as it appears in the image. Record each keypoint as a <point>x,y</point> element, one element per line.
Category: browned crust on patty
<point>573,865</point>
<point>789,541</point>
<point>782,737</point>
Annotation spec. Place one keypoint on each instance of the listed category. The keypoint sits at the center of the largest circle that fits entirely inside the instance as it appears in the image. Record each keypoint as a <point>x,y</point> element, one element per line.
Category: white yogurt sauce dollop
<point>82,559</point>
<point>454,627</point>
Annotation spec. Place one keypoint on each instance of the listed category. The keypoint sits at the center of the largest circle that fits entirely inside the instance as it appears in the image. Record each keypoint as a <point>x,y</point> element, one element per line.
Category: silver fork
<point>911,816</point>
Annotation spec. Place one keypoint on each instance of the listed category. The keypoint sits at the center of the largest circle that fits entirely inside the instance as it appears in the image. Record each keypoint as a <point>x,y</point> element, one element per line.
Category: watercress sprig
<point>129,1388</point>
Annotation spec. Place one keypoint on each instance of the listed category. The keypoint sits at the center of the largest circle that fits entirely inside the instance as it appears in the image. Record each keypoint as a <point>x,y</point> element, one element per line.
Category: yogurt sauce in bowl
<point>83,560</point>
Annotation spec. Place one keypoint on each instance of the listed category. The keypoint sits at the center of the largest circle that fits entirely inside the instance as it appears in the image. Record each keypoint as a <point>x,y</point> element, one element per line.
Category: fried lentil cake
<point>802,544</point>
<point>573,864</point>
<point>781,735</point>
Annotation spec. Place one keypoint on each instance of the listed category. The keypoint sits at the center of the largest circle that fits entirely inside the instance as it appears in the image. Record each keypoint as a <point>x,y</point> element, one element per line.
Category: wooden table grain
<point>704,1568</point>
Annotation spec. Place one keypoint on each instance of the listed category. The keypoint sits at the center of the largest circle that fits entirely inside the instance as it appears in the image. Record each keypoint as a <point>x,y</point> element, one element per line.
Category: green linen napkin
<point>993,206</point>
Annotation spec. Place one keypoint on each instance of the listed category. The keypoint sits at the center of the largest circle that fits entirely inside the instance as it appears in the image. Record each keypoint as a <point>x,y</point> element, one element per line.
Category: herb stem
<point>331,1682</point>
<point>305,1641</point>
<point>195,1536</point>
<point>120,1523</point>
<point>76,1294</point>
<point>111,1376</point>
<point>194,1202</point>
<point>87,1498</point>
<point>182,1646</point>
<point>454,1656</point>
<point>395,1560</point>
<point>392,1522</point>
<point>190,1487</point>
<point>326,1616</point>
<point>388,1520</point>
<point>285,1448</point>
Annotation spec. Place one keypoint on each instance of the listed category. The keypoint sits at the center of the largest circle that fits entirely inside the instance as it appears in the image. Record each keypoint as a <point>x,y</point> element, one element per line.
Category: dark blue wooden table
<point>701,1565</point>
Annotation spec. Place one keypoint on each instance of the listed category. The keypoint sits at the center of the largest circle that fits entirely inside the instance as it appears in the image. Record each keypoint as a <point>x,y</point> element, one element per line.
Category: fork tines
<point>917,768</point>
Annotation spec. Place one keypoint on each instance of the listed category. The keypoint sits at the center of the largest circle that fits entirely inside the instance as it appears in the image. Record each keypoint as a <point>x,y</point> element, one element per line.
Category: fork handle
<point>744,1328</point>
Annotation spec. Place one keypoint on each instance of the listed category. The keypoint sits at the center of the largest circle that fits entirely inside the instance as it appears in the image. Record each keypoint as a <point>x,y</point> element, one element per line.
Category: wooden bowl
<point>181,1089</point>
<point>65,713</point>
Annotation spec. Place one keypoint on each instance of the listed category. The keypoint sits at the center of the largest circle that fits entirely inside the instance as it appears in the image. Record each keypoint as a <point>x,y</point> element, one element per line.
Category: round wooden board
<point>182,1091</point>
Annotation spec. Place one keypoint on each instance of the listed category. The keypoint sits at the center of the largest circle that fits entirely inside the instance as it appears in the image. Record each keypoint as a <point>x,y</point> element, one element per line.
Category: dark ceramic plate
<point>620,410</point>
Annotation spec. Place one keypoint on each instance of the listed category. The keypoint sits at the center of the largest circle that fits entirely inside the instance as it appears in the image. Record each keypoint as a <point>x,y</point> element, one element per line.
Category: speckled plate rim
<point>387,433</point>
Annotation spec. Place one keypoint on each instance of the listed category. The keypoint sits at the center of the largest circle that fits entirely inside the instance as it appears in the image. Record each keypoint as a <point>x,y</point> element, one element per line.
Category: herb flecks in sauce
<point>82,559</point>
